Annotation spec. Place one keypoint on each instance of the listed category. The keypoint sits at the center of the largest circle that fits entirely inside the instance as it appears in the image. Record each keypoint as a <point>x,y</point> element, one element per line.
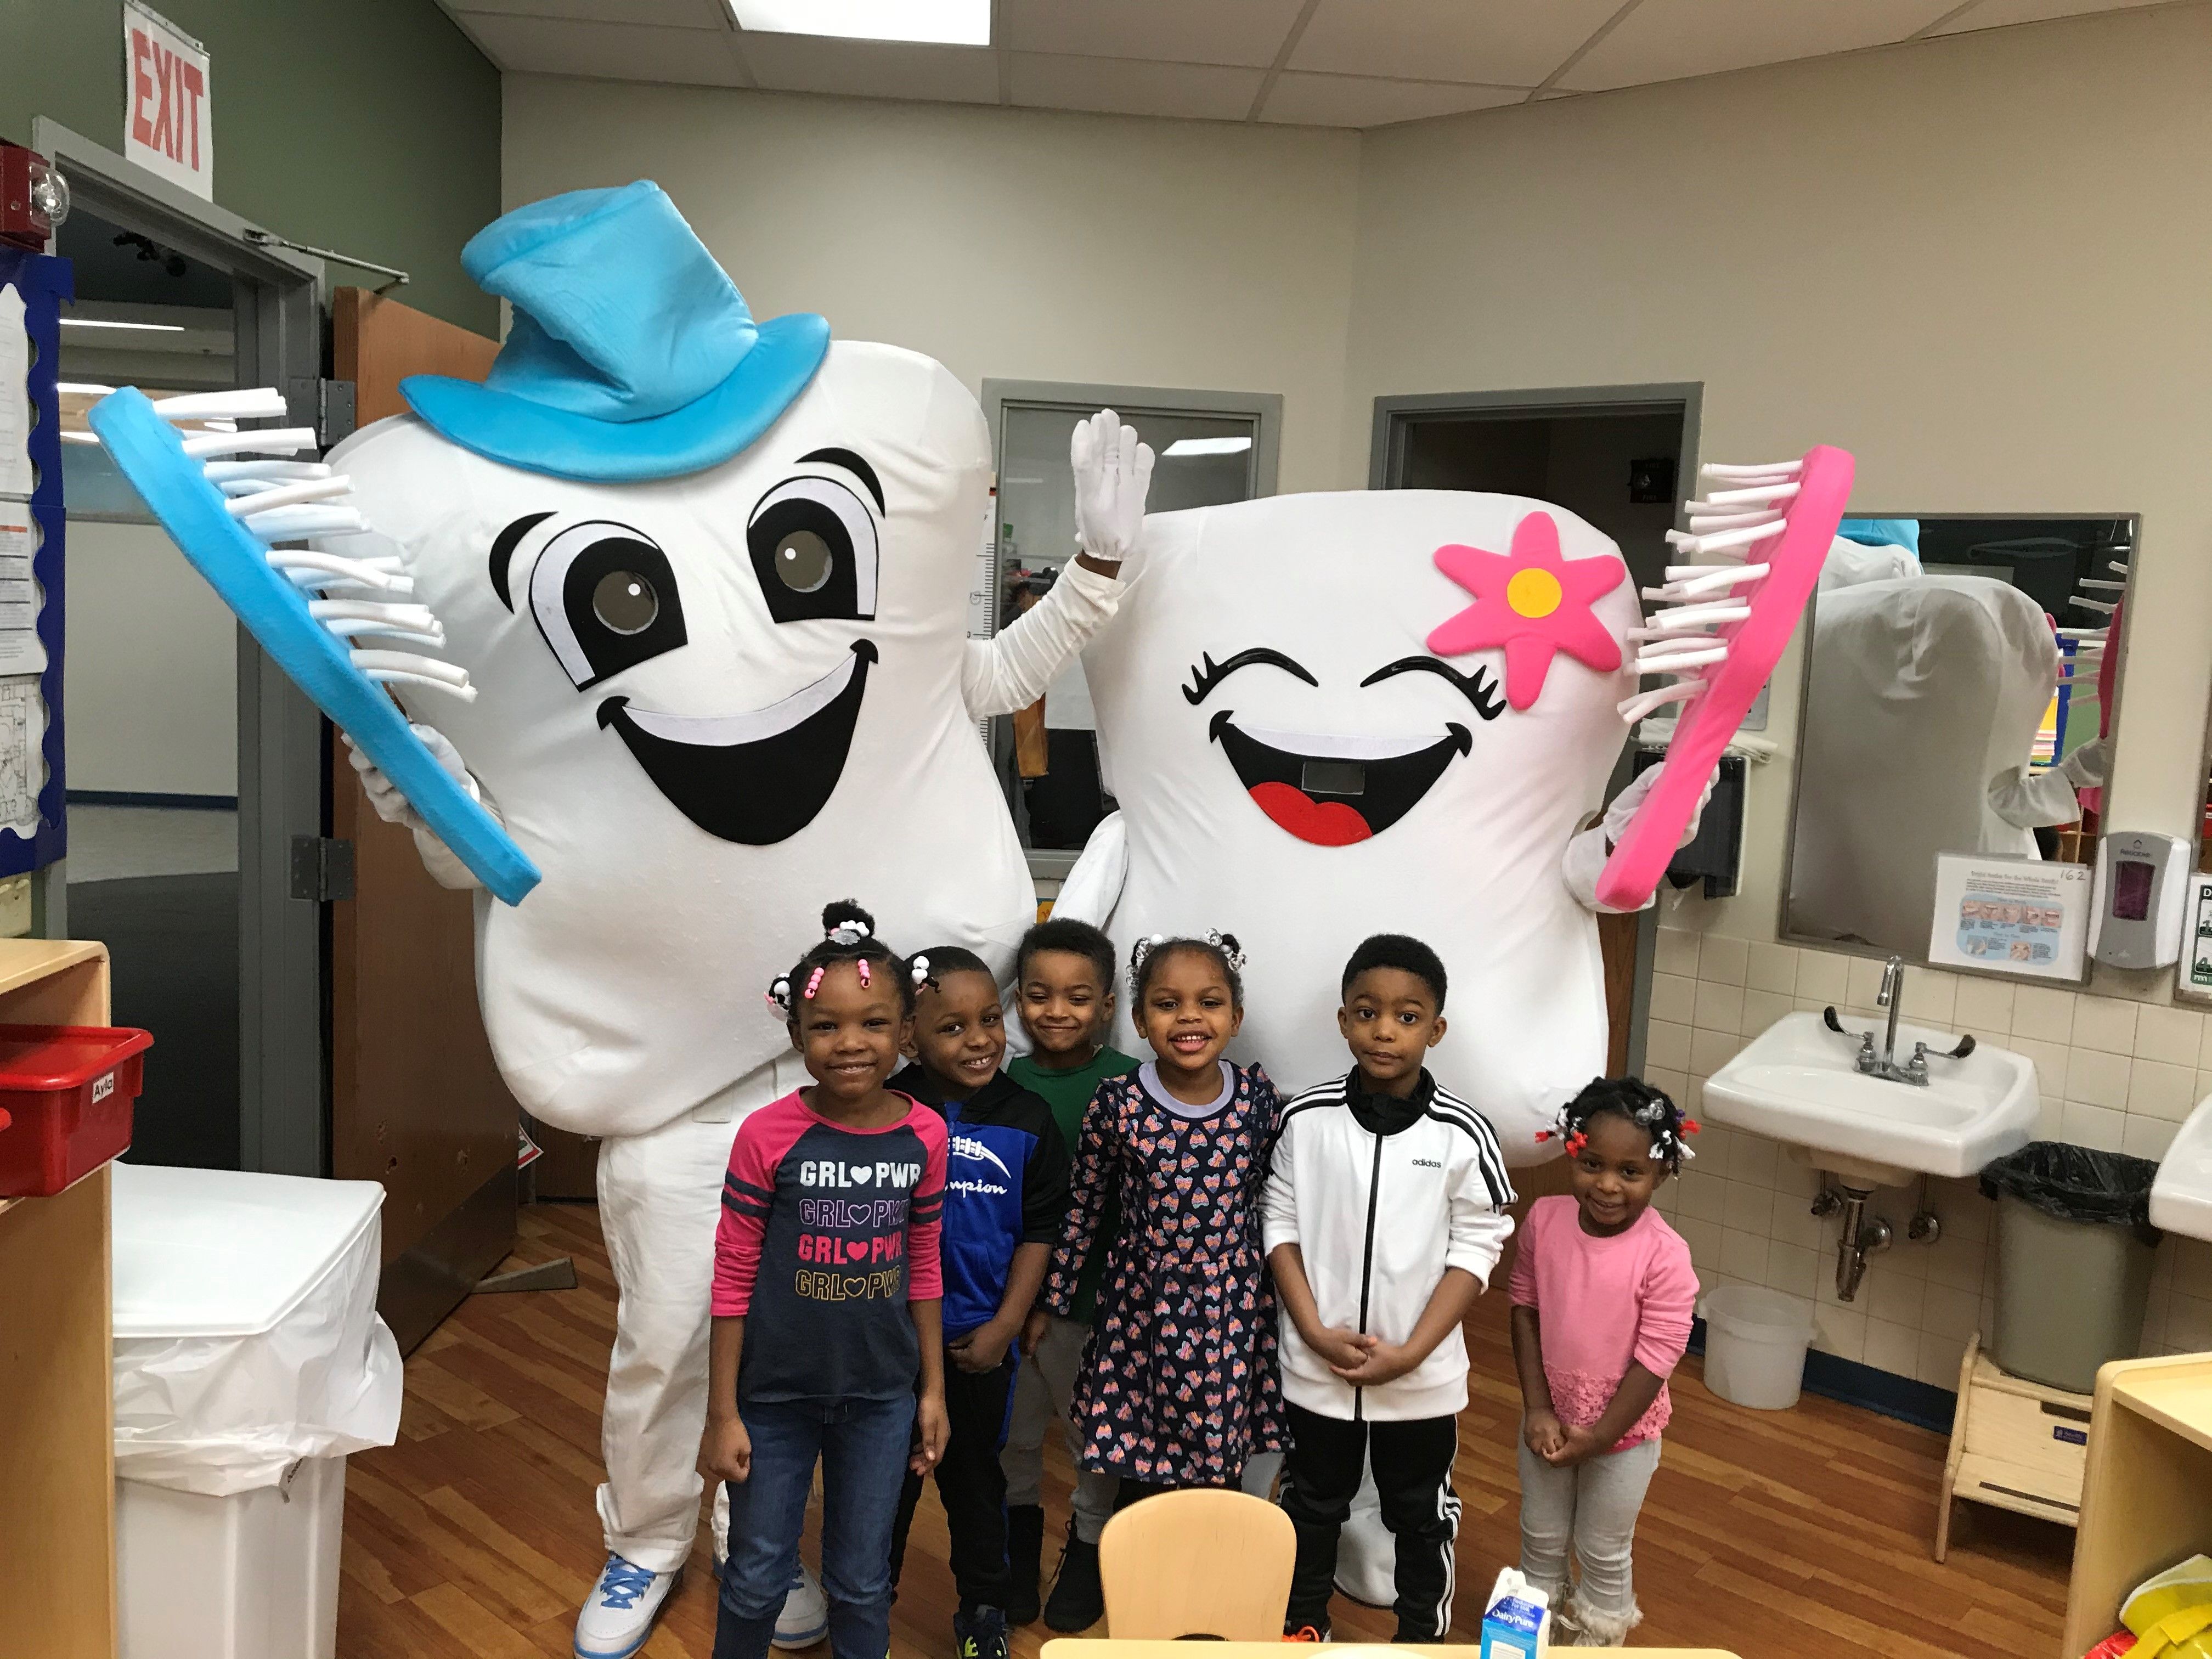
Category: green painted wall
<point>370,127</point>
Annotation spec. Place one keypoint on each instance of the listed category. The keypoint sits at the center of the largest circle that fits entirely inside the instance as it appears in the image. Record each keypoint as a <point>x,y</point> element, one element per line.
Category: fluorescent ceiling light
<point>941,22</point>
<point>102,322</point>
<point>1183,447</point>
<point>87,387</point>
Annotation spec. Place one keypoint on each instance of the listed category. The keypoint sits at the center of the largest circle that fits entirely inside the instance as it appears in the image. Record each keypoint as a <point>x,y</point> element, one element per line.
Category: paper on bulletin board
<point>2010,916</point>
<point>2194,975</point>
<point>16,478</point>
<point>22,757</point>
<point>20,652</point>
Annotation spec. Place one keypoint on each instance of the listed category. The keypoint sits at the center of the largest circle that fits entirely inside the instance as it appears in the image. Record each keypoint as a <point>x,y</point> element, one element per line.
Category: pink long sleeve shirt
<point>1605,1304</point>
<point>827,1233</point>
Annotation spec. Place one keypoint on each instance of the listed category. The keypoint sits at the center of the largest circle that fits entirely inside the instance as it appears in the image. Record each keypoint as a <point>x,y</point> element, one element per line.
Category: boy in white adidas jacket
<point>1383,1218</point>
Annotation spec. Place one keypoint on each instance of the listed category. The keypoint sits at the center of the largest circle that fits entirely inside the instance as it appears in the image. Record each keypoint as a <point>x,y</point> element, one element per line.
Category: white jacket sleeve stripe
<point>1461,1116</point>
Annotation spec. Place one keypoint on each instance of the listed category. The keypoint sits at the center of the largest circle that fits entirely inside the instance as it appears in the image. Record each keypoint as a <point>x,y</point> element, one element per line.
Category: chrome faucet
<point>1892,997</point>
<point>1885,1065</point>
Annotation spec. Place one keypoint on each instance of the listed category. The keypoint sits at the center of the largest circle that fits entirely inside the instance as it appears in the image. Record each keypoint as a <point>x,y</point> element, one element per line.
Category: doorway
<point>193,764</point>
<point>1618,456</point>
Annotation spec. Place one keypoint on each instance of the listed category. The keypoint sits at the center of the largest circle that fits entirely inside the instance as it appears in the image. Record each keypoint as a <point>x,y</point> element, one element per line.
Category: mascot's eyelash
<point>1478,688</point>
<point>1206,673</point>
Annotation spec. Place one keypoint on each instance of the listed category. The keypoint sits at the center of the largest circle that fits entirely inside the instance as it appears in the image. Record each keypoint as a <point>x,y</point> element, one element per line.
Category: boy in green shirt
<point>1063,993</point>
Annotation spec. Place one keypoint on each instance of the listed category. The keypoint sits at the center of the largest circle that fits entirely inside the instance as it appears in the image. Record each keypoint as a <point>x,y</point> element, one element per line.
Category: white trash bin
<point>249,1361</point>
<point>1755,1344</point>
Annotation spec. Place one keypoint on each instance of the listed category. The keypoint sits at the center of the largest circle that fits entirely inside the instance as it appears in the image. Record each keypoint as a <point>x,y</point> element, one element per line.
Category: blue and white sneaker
<point>804,1619</point>
<point>618,1615</point>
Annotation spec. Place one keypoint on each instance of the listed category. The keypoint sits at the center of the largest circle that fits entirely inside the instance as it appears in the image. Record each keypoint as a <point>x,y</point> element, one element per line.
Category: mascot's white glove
<point>2088,767</point>
<point>1586,853</point>
<point>394,807</point>
<point>1113,474</point>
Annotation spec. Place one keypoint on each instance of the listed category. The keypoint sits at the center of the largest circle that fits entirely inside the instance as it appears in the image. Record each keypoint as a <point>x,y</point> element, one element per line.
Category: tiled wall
<point>2116,1074</point>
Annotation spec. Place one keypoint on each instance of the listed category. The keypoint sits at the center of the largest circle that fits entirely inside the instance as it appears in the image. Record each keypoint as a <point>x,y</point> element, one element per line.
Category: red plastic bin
<point>69,1089</point>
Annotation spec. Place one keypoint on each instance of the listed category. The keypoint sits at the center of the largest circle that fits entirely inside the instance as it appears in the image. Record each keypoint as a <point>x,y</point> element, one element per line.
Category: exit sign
<point>167,108</point>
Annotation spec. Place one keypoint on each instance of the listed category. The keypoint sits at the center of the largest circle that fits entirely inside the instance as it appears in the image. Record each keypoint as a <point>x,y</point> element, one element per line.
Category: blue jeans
<point>862,1445</point>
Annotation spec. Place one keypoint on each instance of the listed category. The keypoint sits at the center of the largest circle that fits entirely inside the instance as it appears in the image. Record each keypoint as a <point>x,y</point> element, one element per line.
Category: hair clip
<point>919,970</point>
<point>1143,948</point>
<point>1232,952</point>
<point>813,982</point>
<point>779,994</point>
<point>862,965</point>
<point>1576,1143</point>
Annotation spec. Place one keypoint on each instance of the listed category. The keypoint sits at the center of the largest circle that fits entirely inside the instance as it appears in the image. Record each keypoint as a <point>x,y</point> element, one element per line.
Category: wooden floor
<point>1796,1535</point>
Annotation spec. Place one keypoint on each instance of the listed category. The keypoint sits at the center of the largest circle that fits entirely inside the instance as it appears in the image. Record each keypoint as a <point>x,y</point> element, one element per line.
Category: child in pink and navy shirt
<point>827,1345</point>
<point>1603,1294</point>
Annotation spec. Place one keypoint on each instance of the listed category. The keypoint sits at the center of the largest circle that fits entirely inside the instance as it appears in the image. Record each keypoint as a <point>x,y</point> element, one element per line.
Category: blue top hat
<point>632,354</point>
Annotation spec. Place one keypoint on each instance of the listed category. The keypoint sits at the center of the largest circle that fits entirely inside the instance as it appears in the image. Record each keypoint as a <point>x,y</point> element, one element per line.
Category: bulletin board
<point>33,814</point>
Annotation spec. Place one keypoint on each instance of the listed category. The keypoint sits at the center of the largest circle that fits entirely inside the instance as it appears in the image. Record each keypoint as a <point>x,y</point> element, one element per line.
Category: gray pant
<point>1042,1389</point>
<point>1592,1506</point>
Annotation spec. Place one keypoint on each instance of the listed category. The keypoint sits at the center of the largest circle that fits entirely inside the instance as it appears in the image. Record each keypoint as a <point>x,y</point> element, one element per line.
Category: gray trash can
<point>2074,1253</point>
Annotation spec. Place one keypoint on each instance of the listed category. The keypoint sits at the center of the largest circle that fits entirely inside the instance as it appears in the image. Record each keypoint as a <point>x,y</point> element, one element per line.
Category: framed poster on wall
<point>2010,915</point>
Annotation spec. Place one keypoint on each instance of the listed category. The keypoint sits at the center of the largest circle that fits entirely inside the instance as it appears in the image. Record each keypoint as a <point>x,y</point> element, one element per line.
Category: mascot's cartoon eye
<point>814,544</point>
<point>1477,687</point>
<point>1206,673</point>
<point>605,598</point>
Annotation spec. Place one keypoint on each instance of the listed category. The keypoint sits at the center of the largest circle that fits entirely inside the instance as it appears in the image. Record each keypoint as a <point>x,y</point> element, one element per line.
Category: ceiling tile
<point>1353,101</point>
<point>1116,86</point>
<point>609,51</point>
<point>1503,42</point>
<point>666,14</point>
<point>1995,14</point>
<point>1238,32</point>
<point>1669,40</point>
<point>873,68</point>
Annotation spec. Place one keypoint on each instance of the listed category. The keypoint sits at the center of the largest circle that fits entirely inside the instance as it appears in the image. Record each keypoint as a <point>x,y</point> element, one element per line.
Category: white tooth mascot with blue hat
<point>709,577</point>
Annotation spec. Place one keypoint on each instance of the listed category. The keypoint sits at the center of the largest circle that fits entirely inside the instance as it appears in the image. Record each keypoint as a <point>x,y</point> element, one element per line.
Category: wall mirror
<point>1962,678</point>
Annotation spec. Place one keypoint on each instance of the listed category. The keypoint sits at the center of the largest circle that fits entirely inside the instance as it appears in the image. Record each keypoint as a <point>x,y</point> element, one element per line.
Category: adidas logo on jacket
<point>1381,1195</point>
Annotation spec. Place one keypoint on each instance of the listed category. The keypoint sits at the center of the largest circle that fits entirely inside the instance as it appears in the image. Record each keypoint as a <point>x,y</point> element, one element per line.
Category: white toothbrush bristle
<point>1676,662</point>
<point>289,494</point>
<point>253,403</point>
<point>1761,469</point>
<point>277,440</point>
<point>1634,708</point>
<point>220,473</point>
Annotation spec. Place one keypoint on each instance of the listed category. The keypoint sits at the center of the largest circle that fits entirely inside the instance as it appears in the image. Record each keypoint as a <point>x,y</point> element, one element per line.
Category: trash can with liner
<point>249,1362</point>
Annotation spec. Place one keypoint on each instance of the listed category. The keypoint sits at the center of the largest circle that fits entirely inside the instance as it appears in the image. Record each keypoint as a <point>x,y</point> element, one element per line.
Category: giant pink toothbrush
<point>1722,622</point>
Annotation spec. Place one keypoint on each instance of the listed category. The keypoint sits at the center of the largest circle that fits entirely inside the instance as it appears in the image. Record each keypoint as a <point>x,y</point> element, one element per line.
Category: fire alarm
<point>33,197</point>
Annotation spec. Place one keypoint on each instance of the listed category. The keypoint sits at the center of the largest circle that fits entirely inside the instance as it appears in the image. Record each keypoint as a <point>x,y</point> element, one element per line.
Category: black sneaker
<point>1078,1600</point>
<point>980,1634</point>
<point>1024,1561</point>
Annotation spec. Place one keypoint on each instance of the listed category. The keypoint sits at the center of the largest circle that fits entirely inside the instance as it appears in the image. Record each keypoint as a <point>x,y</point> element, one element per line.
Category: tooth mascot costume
<point>710,578</point>
<point>1327,716</point>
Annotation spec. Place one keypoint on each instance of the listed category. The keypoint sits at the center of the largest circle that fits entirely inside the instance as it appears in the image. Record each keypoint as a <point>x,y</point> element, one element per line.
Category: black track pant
<point>970,1484</point>
<point>1412,1474</point>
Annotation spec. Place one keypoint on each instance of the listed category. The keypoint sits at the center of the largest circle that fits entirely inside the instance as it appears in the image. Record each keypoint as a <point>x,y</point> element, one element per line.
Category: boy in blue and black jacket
<point>1006,1198</point>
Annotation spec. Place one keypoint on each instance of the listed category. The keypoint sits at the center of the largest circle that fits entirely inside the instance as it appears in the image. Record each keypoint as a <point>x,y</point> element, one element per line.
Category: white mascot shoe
<point>618,1615</point>
<point>804,1619</point>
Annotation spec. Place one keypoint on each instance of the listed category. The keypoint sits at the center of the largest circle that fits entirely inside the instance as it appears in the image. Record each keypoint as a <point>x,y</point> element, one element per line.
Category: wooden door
<point>416,1101</point>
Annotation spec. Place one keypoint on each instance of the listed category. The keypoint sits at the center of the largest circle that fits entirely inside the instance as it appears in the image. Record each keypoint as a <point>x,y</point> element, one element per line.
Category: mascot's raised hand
<point>1113,476</point>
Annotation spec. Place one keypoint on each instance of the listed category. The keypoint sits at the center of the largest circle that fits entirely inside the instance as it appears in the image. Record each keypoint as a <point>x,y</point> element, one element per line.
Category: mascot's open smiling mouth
<point>1337,791</point>
<point>755,778</point>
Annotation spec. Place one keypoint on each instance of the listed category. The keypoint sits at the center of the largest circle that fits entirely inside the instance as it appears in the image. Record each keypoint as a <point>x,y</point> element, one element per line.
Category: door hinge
<point>327,405</point>
<point>322,869</point>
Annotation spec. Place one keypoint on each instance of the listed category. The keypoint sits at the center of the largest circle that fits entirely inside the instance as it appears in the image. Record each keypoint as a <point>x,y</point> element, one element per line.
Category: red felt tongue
<point>1324,822</point>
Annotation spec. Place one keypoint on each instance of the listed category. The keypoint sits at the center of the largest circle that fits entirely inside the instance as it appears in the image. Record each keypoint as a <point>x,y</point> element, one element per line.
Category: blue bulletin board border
<point>45,281</point>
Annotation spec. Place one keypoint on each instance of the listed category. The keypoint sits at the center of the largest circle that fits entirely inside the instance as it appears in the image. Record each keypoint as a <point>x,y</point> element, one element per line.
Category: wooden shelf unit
<point>57,1360</point>
<point>2146,1505</point>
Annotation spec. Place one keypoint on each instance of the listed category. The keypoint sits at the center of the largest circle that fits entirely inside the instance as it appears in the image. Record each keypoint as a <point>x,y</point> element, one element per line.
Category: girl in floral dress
<point>1178,1386</point>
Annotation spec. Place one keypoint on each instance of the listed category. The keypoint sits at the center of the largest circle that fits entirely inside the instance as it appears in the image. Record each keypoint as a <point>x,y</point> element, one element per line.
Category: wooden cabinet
<point>56,1384</point>
<point>2147,1503</point>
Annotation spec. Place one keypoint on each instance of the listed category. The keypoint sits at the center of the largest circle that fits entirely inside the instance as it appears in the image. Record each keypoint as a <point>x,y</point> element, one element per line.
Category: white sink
<point>2181,1197</point>
<point>1796,1084</point>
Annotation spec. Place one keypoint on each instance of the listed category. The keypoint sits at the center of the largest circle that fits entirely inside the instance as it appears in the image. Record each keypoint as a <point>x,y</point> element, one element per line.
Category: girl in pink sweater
<point>1603,1294</point>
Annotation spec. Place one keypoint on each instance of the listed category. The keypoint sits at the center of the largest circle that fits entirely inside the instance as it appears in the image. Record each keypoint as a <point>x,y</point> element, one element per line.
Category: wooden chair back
<point>1202,1562</point>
